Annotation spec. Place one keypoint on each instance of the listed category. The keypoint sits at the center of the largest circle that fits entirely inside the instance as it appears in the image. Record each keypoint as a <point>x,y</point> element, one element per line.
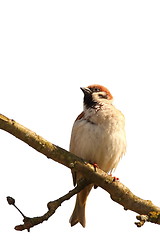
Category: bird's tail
<point>78,214</point>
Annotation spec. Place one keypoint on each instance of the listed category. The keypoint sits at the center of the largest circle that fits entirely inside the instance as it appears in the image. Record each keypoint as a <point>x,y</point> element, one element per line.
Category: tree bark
<point>118,192</point>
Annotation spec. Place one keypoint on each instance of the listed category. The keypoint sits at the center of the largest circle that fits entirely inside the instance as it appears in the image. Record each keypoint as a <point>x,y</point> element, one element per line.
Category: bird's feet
<point>114,178</point>
<point>95,165</point>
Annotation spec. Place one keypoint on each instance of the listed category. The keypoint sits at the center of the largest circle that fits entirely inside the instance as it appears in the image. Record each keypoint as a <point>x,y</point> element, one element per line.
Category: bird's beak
<point>86,90</point>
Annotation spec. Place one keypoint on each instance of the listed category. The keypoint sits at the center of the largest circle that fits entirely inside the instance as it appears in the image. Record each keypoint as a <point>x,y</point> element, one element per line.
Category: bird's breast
<point>103,144</point>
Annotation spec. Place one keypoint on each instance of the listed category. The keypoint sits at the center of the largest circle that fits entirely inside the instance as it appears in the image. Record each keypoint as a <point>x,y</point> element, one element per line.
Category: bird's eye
<point>95,89</point>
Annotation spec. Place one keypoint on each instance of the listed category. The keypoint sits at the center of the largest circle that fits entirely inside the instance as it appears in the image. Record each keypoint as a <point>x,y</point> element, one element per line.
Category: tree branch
<point>52,207</point>
<point>118,192</point>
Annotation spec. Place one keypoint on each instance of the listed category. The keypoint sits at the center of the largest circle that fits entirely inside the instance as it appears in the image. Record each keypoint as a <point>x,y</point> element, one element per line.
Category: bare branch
<point>118,192</point>
<point>52,207</point>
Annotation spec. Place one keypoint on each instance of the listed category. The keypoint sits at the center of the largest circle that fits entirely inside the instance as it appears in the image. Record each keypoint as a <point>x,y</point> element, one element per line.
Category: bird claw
<point>95,165</point>
<point>114,178</point>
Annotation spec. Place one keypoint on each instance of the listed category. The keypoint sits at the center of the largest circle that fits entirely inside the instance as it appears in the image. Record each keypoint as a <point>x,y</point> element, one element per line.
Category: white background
<point>48,49</point>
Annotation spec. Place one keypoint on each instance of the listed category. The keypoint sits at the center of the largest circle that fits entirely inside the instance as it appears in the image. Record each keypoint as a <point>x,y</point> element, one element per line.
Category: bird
<point>98,136</point>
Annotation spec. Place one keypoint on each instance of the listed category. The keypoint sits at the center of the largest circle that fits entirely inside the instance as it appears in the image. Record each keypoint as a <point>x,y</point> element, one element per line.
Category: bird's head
<point>96,95</point>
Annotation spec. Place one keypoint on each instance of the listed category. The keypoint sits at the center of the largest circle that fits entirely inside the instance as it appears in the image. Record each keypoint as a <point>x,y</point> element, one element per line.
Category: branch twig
<point>52,207</point>
<point>118,192</point>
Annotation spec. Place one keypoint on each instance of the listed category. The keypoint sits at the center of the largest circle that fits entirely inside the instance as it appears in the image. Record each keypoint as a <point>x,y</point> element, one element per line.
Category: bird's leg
<point>114,178</point>
<point>95,165</point>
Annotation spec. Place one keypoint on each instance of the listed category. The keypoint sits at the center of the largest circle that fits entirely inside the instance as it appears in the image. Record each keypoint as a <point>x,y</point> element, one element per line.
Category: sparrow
<point>98,136</point>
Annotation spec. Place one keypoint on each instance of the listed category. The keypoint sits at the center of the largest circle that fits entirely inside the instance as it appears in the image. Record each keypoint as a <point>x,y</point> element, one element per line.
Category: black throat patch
<point>89,102</point>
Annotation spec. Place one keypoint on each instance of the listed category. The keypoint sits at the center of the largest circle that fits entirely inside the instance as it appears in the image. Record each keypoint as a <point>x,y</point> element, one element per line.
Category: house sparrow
<point>98,136</point>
